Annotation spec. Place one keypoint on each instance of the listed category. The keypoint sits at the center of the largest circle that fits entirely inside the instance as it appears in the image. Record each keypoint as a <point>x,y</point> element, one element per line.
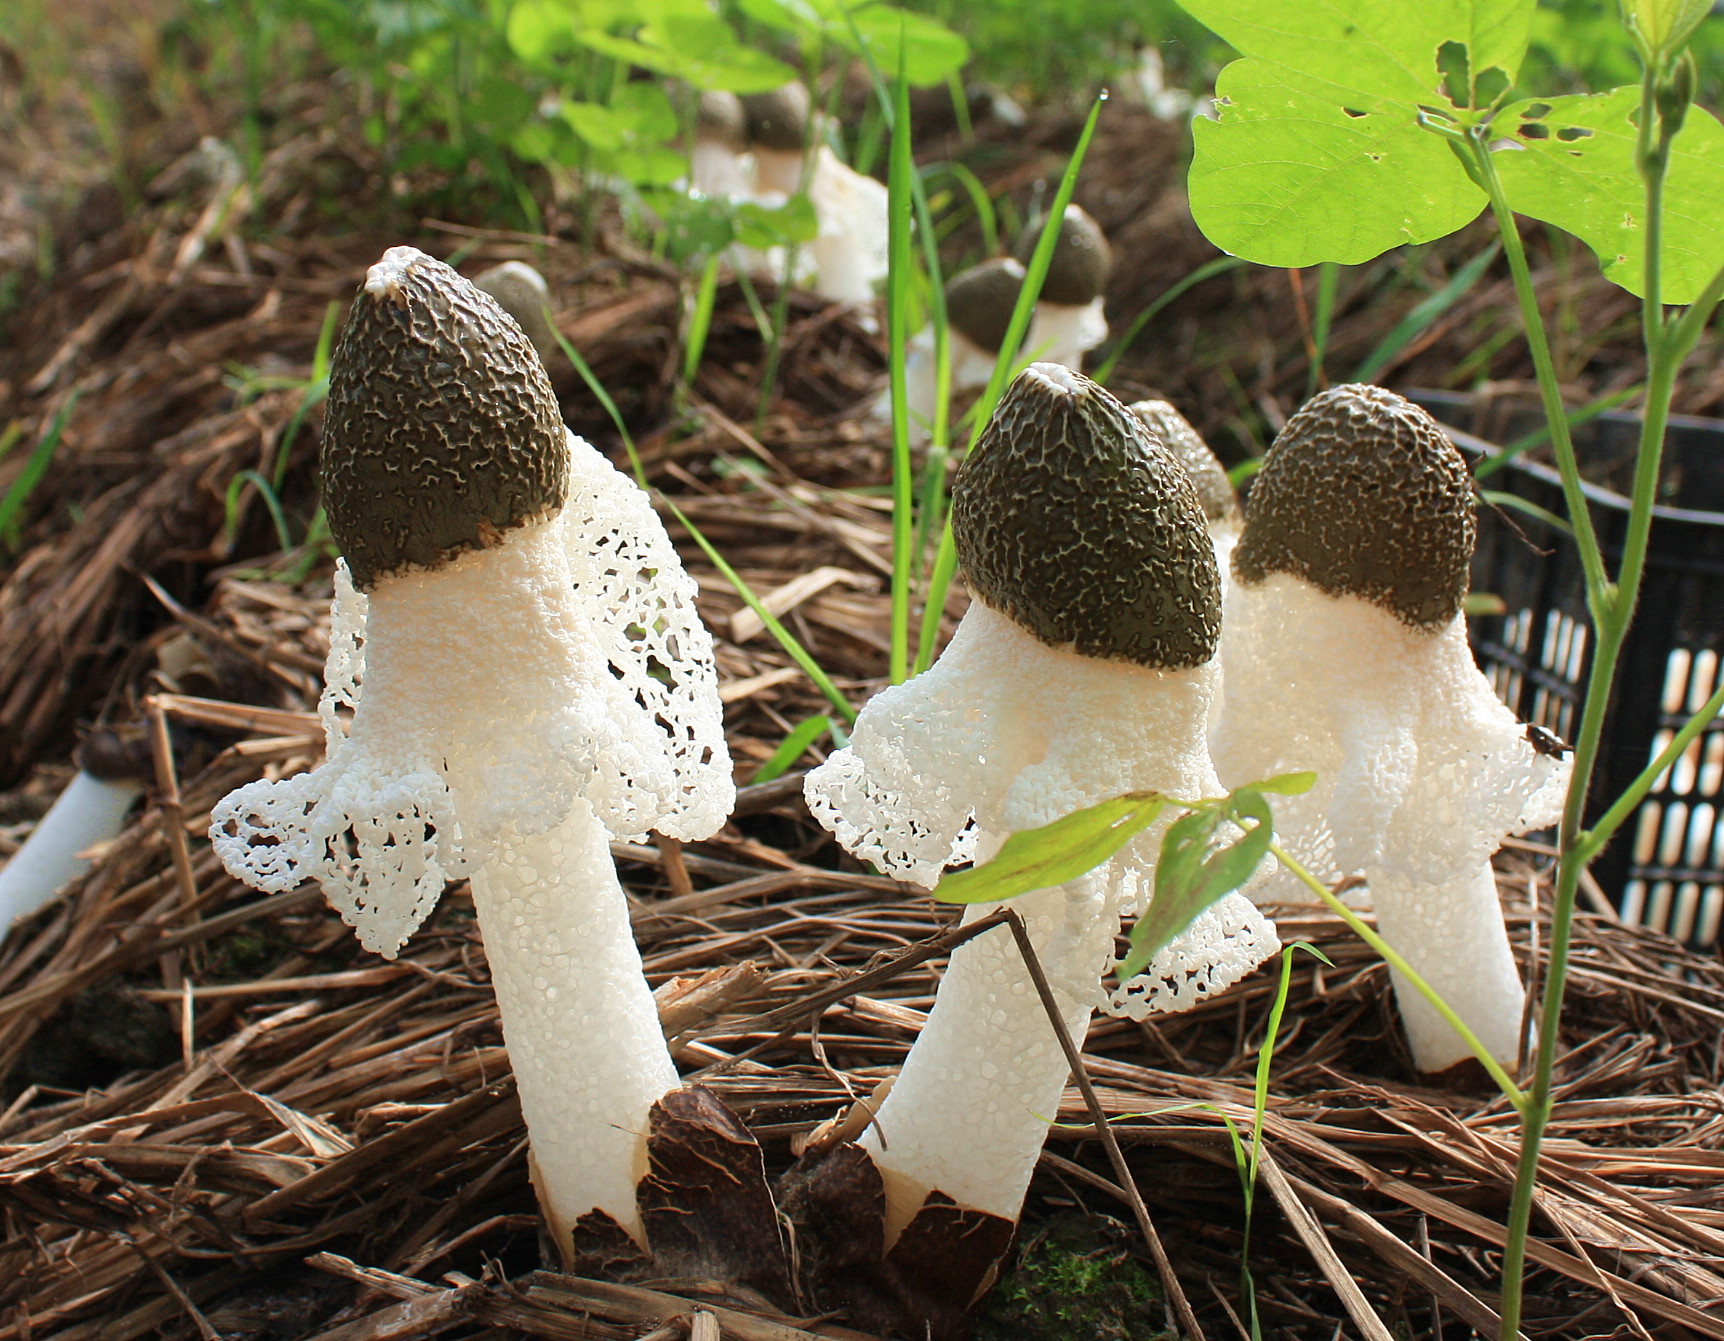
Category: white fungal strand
<point>1064,334</point>
<point>579,1020</point>
<point>1002,734</point>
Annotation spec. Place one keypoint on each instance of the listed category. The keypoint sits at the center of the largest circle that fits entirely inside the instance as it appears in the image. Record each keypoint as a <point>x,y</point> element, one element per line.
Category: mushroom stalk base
<point>970,1109</point>
<point>88,812</point>
<point>1454,938</point>
<point>578,1018</point>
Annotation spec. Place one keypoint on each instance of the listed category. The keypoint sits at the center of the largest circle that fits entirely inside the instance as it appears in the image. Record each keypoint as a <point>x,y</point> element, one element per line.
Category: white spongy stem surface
<point>1063,334</point>
<point>719,172</point>
<point>1452,934</point>
<point>850,250</point>
<point>1004,733</point>
<point>579,1021</point>
<point>87,812</point>
<point>972,366</point>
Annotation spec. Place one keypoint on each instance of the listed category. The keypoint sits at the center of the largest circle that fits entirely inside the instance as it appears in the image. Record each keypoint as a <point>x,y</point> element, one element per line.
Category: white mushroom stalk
<point>719,164</point>
<point>528,678</point>
<point>1069,320</point>
<point>91,809</point>
<point>1083,669</point>
<point>1346,653</point>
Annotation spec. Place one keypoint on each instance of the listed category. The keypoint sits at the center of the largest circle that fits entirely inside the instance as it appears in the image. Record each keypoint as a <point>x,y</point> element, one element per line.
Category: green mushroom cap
<point>442,433</point>
<point>1078,272</point>
<point>979,301</point>
<point>1085,529</point>
<point>719,117</point>
<point>1214,489</point>
<point>779,120</point>
<point>1362,494</point>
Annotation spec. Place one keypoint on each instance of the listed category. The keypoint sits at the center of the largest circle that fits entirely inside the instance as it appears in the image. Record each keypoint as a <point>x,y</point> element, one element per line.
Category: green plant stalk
<point>1328,289</point>
<point>1612,613</point>
<point>1511,1091</point>
<point>700,320</point>
<point>900,272</point>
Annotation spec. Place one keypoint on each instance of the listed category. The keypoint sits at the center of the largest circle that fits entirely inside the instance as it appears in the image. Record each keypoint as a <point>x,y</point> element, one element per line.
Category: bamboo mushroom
<point>521,291</point>
<point>527,676</point>
<point>90,810</point>
<point>979,304</point>
<point>848,254</point>
<point>1069,321</point>
<point>1214,489</point>
<point>1083,669</point>
<point>718,166</point>
<point>1346,653</point>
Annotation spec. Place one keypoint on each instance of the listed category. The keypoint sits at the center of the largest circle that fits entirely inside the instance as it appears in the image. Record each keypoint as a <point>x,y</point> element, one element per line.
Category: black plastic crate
<point>1665,867</point>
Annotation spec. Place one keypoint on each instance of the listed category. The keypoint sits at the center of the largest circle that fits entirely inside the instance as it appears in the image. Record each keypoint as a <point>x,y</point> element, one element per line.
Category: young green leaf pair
<point>1208,852</point>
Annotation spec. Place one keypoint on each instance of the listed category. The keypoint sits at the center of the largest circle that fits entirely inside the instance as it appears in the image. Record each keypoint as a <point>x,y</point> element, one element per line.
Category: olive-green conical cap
<point>1084,528</point>
<point>1078,271</point>
<point>1362,494</point>
<point>1214,490</point>
<point>719,117</point>
<point>779,119</point>
<point>442,432</point>
<point>979,301</point>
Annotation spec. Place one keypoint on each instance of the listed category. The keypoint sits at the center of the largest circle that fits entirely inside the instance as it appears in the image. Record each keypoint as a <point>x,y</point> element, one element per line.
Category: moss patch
<point>1075,1277</point>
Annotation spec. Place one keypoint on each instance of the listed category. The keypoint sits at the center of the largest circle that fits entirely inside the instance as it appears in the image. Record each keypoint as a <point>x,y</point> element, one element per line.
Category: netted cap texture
<point>1084,528</point>
<point>720,118</point>
<point>442,431</point>
<point>779,119</point>
<point>1362,494</point>
<point>1077,274</point>
<point>979,301</point>
<point>1214,489</point>
<point>1419,765</point>
<point>487,698</point>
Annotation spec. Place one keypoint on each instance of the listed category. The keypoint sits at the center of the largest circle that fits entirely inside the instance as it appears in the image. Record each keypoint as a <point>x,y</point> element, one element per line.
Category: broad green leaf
<point>1291,176</point>
<point>710,56</point>
<point>1194,870</point>
<point>1055,853</point>
<point>647,111</point>
<point>1574,167</point>
<point>1666,24</point>
<point>760,227</point>
<point>540,29</point>
<point>597,124</point>
<point>931,51</point>
<point>1372,49</point>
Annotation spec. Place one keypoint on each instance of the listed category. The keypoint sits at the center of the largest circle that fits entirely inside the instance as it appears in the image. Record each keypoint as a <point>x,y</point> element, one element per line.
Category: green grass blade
<point>1515,502</point>
<point>980,201</point>
<point>1411,326</point>
<point>1328,285</point>
<point>9,438</point>
<point>900,275</point>
<point>1489,465</point>
<point>700,320</point>
<point>792,748</point>
<point>35,467</point>
<point>1208,270</point>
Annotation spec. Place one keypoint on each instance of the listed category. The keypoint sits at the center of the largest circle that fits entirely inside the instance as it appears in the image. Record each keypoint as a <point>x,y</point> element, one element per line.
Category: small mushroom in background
<point>521,291</point>
<point>848,255</point>
<point>1346,653</point>
<point>1069,320</point>
<point>1214,489</point>
<point>979,303</point>
<point>90,810</point>
<point>719,166</point>
<point>527,678</point>
<point>1082,670</point>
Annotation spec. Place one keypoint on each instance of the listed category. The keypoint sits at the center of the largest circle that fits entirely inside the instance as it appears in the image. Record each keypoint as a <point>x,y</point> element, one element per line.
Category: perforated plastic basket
<point>1666,866</point>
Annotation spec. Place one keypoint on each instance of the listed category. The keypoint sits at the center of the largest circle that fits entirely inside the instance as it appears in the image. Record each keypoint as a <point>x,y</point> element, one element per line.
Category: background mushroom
<point>979,303</point>
<point>1083,669</point>
<point>1346,653</point>
<point>521,291</point>
<point>718,165</point>
<point>91,809</point>
<point>1069,320</point>
<point>527,678</point>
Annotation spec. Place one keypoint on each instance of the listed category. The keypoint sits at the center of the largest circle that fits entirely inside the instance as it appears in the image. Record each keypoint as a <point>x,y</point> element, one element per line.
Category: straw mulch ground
<point>223,1119</point>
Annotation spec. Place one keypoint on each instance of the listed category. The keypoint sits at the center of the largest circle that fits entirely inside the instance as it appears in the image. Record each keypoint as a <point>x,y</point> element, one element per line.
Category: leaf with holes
<point>1572,165</point>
